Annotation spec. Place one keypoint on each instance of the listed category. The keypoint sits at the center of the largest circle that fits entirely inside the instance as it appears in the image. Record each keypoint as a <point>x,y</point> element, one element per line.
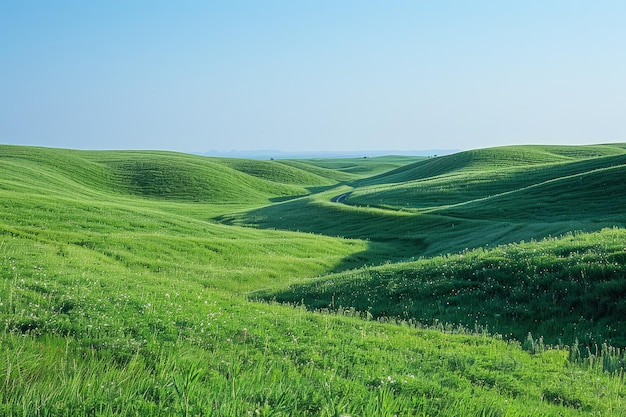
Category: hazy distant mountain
<point>269,154</point>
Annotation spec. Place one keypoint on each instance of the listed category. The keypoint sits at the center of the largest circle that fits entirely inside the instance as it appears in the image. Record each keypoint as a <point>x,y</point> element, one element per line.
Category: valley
<point>486,282</point>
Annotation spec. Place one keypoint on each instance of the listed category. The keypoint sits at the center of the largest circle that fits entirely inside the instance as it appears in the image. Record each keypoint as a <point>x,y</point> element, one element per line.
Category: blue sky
<point>308,75</point>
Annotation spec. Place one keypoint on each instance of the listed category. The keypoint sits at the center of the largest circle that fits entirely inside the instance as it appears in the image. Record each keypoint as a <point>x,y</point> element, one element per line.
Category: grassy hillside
<point>479,177</point>
<point>595,194</point>
<point>466,200</point>
<point>120,297</point>
<point>362,167</point>
<point>492,160</point>
<point>279,172</point>
<point>156,175</point>
<point>566,289</point>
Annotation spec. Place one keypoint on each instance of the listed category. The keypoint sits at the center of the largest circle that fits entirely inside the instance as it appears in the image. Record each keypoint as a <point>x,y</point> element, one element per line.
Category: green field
<point>490,282</point>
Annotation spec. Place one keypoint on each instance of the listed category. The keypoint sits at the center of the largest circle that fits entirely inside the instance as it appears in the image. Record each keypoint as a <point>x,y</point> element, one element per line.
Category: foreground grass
<point>95,337</point>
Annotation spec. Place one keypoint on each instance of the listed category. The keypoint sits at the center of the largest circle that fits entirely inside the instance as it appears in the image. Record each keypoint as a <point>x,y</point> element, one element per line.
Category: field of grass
<point>130,286</point>
<point>466,185</point>
<point>467,200</point>
<point>564,289</point>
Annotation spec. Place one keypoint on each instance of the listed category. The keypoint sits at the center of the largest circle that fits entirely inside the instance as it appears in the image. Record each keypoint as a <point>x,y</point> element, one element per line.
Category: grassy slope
<point>561,289</point>
<point>279,172</point>
<point>361,167</point>
<point>474,175</point>
<point>492,160</point>
<point>156,175</point>
<point>476,199</point>
<point>136,231</point>
<point>113,305</point>
<point>467,200</point>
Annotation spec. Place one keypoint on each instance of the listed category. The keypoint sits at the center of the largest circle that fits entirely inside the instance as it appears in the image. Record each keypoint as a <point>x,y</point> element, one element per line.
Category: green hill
<point>52,171</point>
<point>592,194</point>
<point>490,160</point>
<point>566,289</point>
<point>120,294</point>
<point>155,175</point>
<point>483,197</point>
<point>481,181</point>
<point>278,171</point>
<point>362,167</point>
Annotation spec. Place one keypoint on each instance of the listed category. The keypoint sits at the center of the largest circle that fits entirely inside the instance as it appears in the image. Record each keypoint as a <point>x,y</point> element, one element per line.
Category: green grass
<point>153,175</point>
<point>121,296</point>
<point>466,200</point>
<point>492,160</point>
<point>281,172</point>
<point>566,289</point>
<point>360,167</point>
<point>464,186</point>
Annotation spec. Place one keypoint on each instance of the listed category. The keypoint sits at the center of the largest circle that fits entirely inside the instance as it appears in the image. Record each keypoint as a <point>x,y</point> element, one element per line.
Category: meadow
<point>164,284</point>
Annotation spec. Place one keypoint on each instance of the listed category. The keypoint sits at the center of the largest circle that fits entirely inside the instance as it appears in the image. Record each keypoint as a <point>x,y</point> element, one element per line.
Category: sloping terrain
<point>493,160</point>
<point>120,296</point>
<point>568,289</point>
<point>481,181</point>
<point>157,175</point>
<point>594,194</point>
<point>476,200</point>
<point>467,200</point>
<point>360,167</point>
<point>279,172</point>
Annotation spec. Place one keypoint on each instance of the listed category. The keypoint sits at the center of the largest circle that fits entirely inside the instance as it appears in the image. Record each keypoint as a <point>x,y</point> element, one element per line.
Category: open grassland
<point>119,295</point>
<point>493,160</point>
<point>464,185</point>
<point>358,168</point>
<point>91,335</point>
<point>156,175</point>
<point>467,200</point>
<point>565,289</point>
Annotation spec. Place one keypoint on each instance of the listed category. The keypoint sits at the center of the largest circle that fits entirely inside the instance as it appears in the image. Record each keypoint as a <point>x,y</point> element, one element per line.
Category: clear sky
<point>311,75</point>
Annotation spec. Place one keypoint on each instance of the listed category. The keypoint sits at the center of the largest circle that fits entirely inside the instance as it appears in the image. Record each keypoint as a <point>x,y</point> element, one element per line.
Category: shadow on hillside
<point>383,245</point>
<point>431,167</point>
<point>382,252</point>
<point>311,191</point>
<point>284,198</point>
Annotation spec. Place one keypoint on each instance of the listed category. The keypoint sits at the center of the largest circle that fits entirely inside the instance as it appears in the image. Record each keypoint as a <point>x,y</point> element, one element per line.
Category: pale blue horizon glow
<point>194,76</point>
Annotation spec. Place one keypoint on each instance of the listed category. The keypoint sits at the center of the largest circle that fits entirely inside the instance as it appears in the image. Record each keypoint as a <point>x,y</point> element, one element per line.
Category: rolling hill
<point>466,200</point>
<point>564,289</point>
<point>157,175</point>
<point>129,286</point>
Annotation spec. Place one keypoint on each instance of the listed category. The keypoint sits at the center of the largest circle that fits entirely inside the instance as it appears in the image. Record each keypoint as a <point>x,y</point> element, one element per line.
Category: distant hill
<point>153,174</point>
<point>276,154</point>
<point>467,200</point>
